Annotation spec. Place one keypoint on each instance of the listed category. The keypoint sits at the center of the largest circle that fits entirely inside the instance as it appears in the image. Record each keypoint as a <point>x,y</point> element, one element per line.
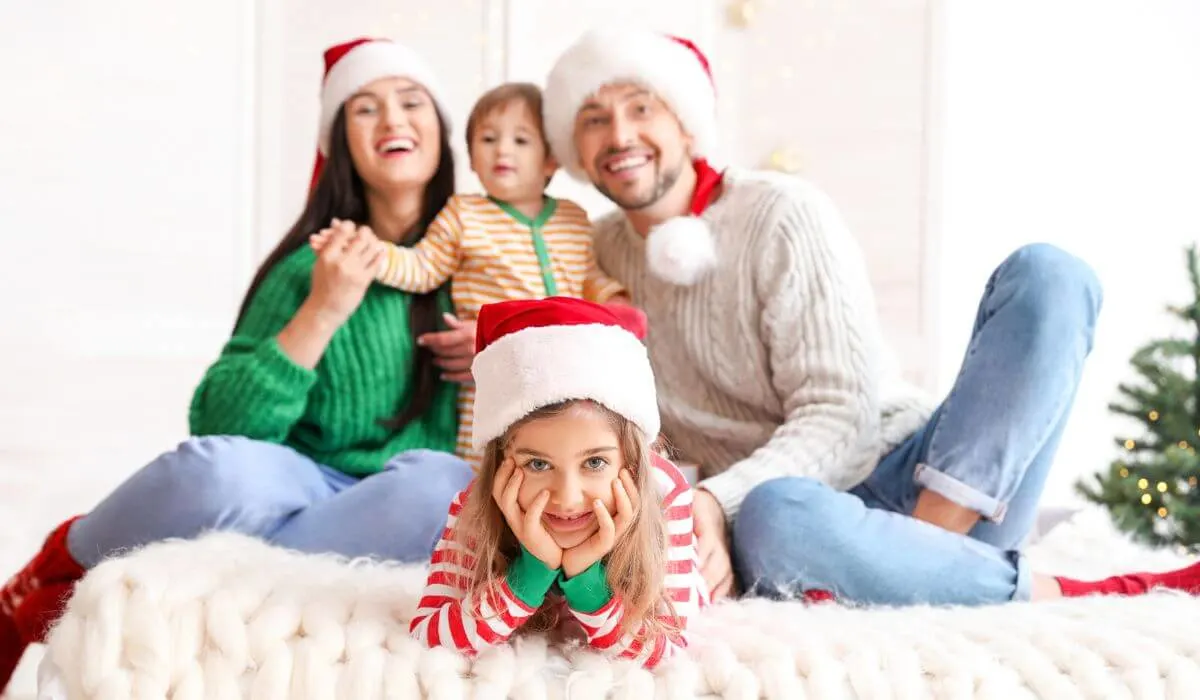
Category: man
<point>834,477</point>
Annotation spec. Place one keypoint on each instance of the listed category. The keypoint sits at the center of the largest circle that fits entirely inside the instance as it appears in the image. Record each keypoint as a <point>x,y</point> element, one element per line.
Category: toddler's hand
<point>320,239</point>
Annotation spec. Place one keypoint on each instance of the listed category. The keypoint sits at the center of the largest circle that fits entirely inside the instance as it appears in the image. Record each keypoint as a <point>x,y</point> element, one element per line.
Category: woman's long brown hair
<point>339,193</point>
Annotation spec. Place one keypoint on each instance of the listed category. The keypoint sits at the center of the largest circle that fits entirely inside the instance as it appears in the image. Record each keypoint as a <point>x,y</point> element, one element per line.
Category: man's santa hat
<point>536,353</point>
<point>353,64</point>
<point>681,250</point>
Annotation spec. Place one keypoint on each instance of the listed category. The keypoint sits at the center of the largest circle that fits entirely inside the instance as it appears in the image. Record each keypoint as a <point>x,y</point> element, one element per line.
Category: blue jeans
<point>275,493</point>
<point>988,447</point>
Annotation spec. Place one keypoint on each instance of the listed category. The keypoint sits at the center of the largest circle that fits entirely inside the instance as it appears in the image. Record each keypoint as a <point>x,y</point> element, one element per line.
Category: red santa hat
<point>535,353</point>
<point>681,250</point>
<point>355,63</point>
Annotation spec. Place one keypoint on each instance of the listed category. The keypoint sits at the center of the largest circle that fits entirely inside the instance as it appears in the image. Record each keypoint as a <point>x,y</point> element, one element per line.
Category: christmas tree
<point>1151,489</point>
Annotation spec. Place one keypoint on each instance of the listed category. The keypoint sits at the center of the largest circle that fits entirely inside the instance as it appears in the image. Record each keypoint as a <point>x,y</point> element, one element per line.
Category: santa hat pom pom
<point>681,250</point>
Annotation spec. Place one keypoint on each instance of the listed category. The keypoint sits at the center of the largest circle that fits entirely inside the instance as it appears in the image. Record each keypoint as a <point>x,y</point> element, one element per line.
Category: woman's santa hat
<point>536,353</point>
<point>353,64</point>
<point>681,250</point>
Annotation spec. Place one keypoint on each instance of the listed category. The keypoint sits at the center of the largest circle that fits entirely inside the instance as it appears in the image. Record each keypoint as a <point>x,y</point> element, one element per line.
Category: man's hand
<point>454,348</point>
<point>712,544</point>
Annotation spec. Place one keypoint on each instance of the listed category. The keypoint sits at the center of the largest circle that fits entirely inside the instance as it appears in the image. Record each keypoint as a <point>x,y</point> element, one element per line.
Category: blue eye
<point>596,464</point>
<point>537,465</point>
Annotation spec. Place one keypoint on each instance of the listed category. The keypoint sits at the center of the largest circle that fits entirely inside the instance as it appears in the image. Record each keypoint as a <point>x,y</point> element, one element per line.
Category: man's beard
<point>664,180</point>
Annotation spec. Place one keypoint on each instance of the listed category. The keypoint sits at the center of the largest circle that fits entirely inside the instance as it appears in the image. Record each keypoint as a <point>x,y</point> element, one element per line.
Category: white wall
<point>126,173</point>
<point>1078,123</point>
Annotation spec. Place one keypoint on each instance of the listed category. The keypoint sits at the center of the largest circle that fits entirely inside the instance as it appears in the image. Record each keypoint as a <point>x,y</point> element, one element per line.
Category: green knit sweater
<point>331,413</point>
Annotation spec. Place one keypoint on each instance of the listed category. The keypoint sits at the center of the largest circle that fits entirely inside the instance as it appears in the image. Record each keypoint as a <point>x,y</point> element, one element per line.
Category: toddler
<point>514,242</point>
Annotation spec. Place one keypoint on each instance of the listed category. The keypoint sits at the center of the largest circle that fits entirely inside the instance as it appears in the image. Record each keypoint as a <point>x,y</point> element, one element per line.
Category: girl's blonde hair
<point>637,565</point>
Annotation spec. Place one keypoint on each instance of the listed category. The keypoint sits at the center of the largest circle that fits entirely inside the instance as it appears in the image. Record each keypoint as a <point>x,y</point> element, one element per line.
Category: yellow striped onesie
<point>495,253</point>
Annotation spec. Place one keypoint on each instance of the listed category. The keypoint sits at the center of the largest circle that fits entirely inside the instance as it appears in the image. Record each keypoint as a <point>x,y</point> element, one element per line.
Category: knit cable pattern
<point>227,616</point>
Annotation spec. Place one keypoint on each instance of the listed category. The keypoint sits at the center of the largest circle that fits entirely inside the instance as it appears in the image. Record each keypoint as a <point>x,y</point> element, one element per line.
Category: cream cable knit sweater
<point>773,364</point>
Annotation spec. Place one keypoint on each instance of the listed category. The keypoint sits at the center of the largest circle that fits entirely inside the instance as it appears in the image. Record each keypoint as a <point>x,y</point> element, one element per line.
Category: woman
<point>321,427</point>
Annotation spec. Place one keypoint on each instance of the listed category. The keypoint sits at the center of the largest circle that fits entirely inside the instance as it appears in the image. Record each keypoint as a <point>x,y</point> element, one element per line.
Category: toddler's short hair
<point>527,94</point>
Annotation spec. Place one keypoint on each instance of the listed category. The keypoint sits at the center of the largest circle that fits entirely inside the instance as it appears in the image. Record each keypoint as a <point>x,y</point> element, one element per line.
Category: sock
<point>41,609</point>
<point>12,647</point>
<point>816,595</point>
<point>32,600</point>
<point>1186,579</point>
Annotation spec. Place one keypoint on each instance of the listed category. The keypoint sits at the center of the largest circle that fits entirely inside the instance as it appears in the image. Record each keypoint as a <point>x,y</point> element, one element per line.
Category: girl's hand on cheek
<point>578,558</point>
<point>526,525</point>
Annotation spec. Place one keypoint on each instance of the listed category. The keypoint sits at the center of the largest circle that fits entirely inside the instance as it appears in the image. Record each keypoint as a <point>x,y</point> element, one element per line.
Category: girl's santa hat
<point>536,353</point>
<point>353,64</point>
<point>681,250</point>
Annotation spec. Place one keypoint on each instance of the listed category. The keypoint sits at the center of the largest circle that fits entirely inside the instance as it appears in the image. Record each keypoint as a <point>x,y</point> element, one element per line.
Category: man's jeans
<point>988,447</point>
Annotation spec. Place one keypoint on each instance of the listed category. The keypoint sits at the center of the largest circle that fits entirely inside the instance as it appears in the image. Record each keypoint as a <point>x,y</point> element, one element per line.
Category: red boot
<point>1186,579</point>
<point>32,600</point>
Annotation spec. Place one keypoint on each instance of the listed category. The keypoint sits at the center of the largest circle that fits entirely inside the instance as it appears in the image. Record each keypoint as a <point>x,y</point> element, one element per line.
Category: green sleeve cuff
<point>253,391</point>
<point>588,591</point>
<point>530,579</point>
<point>282,370</point>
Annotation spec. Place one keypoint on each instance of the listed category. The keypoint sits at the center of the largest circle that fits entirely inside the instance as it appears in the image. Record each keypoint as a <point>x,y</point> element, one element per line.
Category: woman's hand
<point>454,349</point>
<point>526,524</point>
<point>346,265</point>
<point>625,495</point>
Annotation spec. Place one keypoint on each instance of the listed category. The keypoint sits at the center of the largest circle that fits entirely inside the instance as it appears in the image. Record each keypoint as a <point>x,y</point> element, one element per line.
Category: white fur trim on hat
<point>364,64</point>
<point>539,366</point>
<point>681,250</point>
<point>607,56</point>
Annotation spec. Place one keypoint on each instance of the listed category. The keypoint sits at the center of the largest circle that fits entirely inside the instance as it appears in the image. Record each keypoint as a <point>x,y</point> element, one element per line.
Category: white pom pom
<point>681,250</point>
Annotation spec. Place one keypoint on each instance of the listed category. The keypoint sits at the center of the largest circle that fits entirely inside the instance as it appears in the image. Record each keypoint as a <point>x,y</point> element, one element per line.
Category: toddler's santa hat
<point>355,63</point>
<point>536,353</point>
<point>681,250</point>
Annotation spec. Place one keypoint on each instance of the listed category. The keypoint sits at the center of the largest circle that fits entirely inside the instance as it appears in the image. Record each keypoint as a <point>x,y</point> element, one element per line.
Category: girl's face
<point>393,133</point>
<point>576,456</point>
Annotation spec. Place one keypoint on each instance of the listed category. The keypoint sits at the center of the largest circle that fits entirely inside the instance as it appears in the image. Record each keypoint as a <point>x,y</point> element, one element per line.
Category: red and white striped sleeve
<point>448,617</point>
<point>684,585</point>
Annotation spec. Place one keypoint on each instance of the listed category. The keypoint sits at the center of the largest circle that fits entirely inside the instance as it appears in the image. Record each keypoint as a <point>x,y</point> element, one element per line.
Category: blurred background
<point>154,151</point>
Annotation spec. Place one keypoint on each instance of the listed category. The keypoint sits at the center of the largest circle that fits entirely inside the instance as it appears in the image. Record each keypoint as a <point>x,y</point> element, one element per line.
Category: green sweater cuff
<point>282,370</point>
<point>588,591</point>
<point>530,579</point>
<point>259,393</point>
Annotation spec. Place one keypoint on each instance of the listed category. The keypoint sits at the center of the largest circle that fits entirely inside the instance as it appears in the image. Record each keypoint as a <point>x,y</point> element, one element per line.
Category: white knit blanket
<point>229,617</point>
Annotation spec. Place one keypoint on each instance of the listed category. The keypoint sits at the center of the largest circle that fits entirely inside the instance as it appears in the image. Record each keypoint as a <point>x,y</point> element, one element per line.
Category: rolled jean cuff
<point>955,490</point>
<point>1024,590</point>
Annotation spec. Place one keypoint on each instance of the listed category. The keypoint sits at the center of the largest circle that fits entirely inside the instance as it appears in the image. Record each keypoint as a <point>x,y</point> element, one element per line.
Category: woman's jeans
<point>275,493</point>
<point>988,447</point>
